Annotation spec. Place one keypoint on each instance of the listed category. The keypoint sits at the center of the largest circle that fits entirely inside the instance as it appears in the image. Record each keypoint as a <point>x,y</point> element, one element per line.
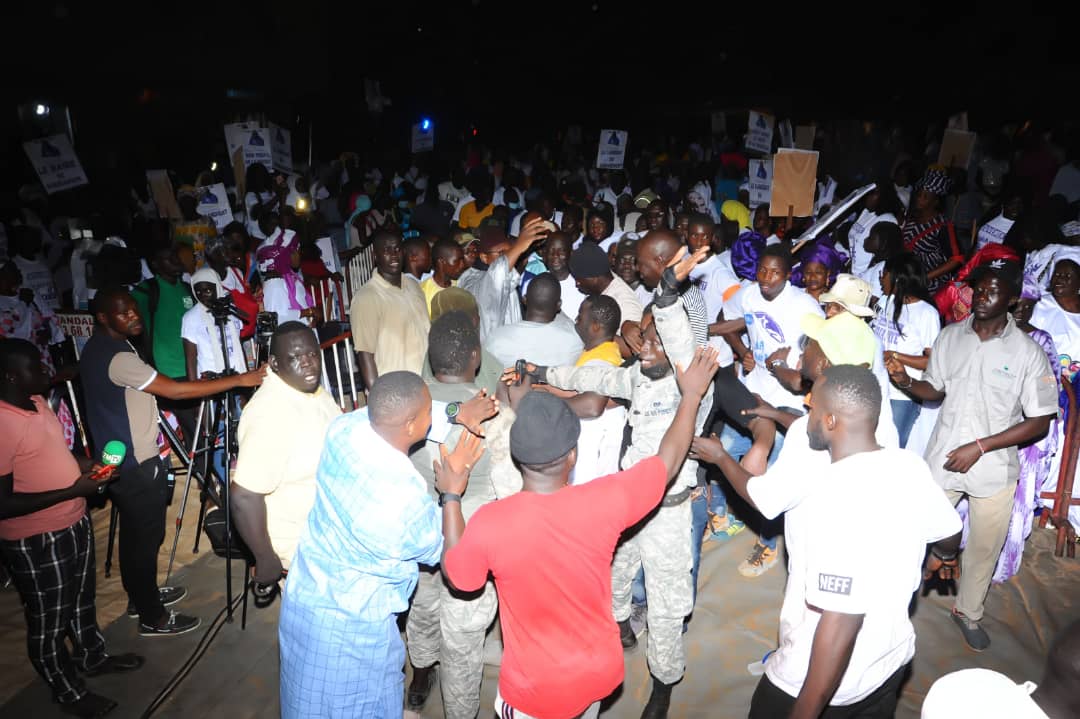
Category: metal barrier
<point>336,345</point>
<point>358,271</point>
<point>1062,496</point>
<point>329,294</point>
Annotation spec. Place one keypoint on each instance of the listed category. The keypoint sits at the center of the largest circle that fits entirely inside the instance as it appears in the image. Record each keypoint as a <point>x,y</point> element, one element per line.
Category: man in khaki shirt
<point>281,437</point>
<point>997,391</point>
<point>389,316</point>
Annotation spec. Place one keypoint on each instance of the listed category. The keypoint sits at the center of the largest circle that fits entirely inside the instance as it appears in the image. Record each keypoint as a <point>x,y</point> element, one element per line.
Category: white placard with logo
<point>759,132</point>
<point>281,148</point>
<point>214,205</point>
<point>760,182</point>
<point>76,324</point>
<point>612,151</point>
<point>423,140</point>
<point>55,163</point>
<point>254,141</point>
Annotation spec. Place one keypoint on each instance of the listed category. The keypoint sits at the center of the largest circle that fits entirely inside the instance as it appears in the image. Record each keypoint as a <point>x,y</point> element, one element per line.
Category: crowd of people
<point>571,378</point>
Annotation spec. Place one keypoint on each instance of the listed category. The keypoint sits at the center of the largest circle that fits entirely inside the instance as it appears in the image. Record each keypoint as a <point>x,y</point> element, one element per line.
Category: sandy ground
<point>734,624</point>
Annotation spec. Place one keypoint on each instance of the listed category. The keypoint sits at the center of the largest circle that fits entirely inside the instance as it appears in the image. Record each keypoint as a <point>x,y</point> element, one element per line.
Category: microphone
<point>112,456</point>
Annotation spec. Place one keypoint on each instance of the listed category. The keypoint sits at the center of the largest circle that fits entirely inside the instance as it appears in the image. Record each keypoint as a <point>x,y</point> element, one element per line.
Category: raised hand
<point>477,410</point>
<point>683,261</point>
<point>453,468</point>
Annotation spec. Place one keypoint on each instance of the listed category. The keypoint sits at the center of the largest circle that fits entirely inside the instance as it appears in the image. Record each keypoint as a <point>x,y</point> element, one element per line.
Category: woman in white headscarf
<point>201,333</point>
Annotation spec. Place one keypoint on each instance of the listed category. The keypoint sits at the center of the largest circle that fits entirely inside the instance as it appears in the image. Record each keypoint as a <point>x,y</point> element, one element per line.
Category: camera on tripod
<point>265,324</point>
<point>222,308</point>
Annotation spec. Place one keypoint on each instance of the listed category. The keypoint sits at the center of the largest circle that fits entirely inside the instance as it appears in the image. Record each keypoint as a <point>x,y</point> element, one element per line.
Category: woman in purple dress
<point>1035,459</point>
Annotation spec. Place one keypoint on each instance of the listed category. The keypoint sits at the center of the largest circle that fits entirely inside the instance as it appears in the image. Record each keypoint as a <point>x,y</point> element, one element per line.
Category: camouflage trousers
<point>449,628</point>
<point>661,547</point>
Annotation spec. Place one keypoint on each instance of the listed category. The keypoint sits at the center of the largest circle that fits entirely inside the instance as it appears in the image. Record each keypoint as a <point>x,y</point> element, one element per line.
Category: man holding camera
<point>274,482</point>
<point>120,405</point>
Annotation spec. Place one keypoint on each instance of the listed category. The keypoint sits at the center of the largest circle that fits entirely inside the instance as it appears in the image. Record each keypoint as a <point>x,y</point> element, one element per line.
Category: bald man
<point>545,337</point>
<point>356,565</point>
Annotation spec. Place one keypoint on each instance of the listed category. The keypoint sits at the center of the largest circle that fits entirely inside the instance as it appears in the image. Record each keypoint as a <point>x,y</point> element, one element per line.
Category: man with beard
<point>845,634</point>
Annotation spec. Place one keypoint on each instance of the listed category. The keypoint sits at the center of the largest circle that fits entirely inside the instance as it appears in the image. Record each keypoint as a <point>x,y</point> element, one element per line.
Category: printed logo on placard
<point>834,584</point>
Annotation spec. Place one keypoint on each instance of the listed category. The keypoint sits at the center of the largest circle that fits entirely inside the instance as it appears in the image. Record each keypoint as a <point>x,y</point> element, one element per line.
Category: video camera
<point>222,308</point>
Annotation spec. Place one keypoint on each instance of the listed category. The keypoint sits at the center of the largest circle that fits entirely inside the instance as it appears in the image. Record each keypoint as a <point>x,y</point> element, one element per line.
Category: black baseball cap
<point>544,430</point>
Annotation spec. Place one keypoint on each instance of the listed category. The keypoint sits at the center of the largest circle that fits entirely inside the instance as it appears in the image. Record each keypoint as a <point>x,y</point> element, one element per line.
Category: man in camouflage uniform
<point>660,544</point>
<point>443,625</point>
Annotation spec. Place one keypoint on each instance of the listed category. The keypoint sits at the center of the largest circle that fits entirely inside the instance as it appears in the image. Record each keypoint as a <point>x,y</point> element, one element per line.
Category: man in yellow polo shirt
<point>598,320</point>
<point>281,438</point>
<point>449,263</point>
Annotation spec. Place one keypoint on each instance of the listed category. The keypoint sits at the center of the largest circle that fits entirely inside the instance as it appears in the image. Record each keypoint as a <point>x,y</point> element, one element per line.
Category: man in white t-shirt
<point>713,278</point>
<point>845,633</point>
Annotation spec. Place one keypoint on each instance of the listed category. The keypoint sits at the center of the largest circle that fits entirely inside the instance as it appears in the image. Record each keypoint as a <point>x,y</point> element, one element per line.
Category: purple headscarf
<point>744,255</point>
<point>1031,289</point>
<point>822,253</point>
<point>276,256</point>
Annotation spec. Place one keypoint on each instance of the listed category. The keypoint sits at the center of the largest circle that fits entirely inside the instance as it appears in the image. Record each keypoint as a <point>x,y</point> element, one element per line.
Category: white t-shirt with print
<point>825,508</point>
<point>770,326</point>
<point>993,231</point>
<point>916,331</point>
<point>860,230</point>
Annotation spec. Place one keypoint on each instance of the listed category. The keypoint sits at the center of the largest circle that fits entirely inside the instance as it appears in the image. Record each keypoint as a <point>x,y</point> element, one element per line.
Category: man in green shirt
<point>162,301</point>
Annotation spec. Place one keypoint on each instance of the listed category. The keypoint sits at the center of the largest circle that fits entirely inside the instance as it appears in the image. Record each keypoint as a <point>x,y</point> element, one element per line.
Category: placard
<point>161,189</point>
<point>75,324</point>
<point>804,137</point>
<point>759,132</point>
<point>214,205</point>
<point>959,121</point>
<point>956,148</point>
<point>787,137</point>
<point>55,163</point>
<point>281,148</point>
<point>838,211</point>
<point>826,193</point>
<point>760,182</point>
<point>794,183</point>
<point>254,142</point>
<point>423,140</point>
<point>611,153</point>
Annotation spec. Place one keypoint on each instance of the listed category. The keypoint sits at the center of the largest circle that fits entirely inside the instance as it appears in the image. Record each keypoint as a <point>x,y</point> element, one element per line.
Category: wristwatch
<point>453,409</point>
<point>777,363</point>
<point>449,497</point>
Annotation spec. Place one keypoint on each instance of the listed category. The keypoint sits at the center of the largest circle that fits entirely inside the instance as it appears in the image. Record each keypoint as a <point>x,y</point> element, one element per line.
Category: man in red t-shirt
<point>549,549</point>
<point>46,538</point>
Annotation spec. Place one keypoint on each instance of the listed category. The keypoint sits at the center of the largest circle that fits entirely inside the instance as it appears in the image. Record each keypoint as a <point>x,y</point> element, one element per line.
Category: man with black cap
<point>562,653</point>
<point>661,545</point>
<point>592,272</point>
<point>1001,393</point>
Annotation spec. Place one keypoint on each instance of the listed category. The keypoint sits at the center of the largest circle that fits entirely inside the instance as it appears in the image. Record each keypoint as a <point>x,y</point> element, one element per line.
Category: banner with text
<point>55,163</point>
<point>760,182</point>
<point>759,132</point>
<point>611,153</point>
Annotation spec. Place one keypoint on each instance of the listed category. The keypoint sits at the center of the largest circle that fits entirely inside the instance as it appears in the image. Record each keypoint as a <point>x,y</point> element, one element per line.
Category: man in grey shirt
<point>997,391</point>
<point>545,337</point>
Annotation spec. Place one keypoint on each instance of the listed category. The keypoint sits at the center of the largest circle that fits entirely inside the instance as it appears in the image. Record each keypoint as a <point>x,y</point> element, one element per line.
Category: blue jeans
<point>904,414</point>
<point>738,444</point>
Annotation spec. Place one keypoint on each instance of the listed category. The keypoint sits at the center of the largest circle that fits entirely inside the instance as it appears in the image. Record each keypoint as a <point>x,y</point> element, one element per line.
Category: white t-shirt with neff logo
<point>916,331</point>
<point>828,570</point>
<point>771,325</point>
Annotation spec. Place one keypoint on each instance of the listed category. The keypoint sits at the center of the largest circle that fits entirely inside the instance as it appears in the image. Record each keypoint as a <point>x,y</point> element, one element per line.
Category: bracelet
<point>978,443</point>
<point>910,382</point>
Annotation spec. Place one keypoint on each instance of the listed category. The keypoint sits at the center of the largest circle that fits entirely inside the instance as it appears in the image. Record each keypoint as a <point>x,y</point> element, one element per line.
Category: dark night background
<point>150,85</point>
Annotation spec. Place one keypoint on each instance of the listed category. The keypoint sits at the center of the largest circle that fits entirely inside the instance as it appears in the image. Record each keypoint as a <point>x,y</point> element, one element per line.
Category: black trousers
<point>141,496</point>
<point>54,573</point>
<point>769,701</point>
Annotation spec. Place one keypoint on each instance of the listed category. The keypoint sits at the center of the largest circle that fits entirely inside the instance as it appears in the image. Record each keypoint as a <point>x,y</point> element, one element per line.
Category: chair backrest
<point>1062,495</point>
<point>339,371</point>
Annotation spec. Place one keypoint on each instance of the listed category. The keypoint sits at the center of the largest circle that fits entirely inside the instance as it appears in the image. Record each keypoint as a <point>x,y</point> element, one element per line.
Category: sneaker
<point>725,528</point>
<point>761,560</point>
<point>974,635</point>
<point>169,596</point>
<point>174,624</point>
<point>639,618</point>
<point>626,635</point>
